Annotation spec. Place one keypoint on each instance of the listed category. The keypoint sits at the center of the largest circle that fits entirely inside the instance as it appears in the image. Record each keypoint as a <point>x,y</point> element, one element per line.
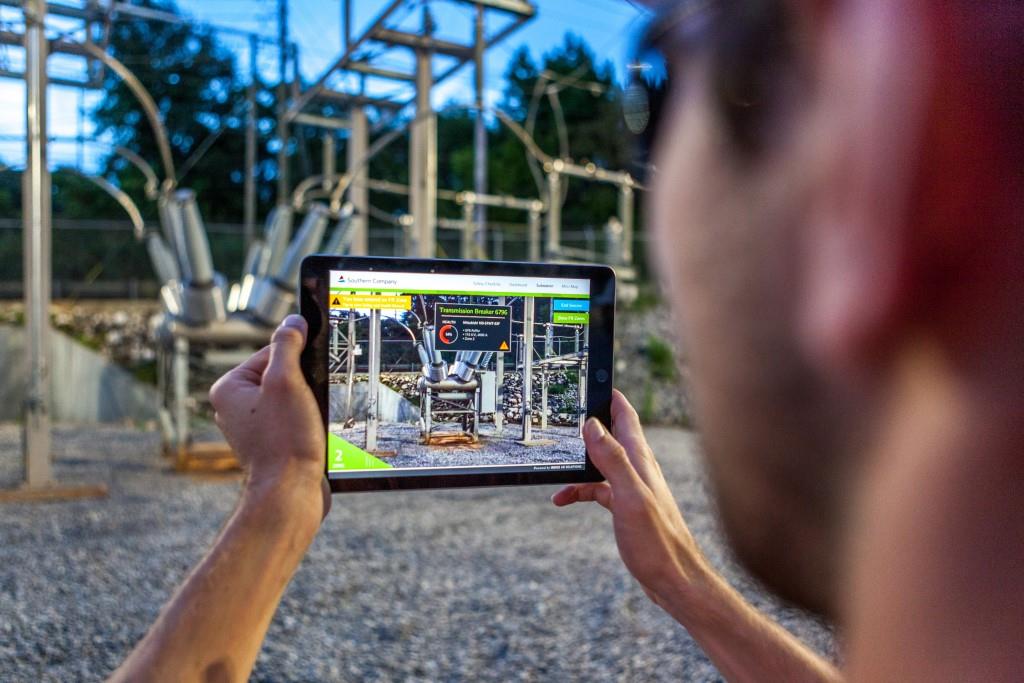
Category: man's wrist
<point>687,593</point>
<point>289,500</point>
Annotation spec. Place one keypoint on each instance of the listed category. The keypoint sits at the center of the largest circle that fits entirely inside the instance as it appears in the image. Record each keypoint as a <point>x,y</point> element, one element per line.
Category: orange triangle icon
<point>504,346</point>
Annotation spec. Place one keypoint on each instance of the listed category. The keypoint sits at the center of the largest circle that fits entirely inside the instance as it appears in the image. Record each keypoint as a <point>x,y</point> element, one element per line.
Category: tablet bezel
<point>313,296</point>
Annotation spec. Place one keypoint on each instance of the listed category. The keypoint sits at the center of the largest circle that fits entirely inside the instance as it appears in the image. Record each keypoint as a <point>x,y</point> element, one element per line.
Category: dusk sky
<point>608,26</point>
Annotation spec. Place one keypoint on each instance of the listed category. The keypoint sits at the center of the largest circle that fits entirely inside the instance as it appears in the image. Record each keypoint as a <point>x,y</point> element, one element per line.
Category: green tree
<point>570,80</point>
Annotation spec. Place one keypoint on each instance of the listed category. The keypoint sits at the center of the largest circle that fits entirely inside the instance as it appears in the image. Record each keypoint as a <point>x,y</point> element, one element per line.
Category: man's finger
<point>599,493</point>
<point>248,373</point>
<point>253,367</point>
<point>608,455</point>
<point>285,348</point>
<point>627,430</point>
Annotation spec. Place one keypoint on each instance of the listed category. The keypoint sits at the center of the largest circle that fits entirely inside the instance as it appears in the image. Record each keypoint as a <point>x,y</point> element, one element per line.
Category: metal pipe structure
<point>119,196</point>
<point>195,249</point>
<point>163,260</point>
<point>466,363</point>
<point>149,108</point>
<point>36,200</point>
<point>340,240</point>
<point>152,187</point>
<point>358,138</point>
<point>164,264</point>
<point>273,295</point>
<point>278,234</point>
<point>172,223</point>
<point>308,238</point>
<point>201,290</point>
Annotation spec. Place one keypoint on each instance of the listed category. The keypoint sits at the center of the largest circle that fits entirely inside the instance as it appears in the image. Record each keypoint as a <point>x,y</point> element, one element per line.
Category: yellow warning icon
<point>336,302</point>
<point>504,346</point>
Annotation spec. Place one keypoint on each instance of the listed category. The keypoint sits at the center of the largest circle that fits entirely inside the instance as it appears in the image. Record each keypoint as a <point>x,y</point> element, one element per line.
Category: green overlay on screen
<point>343,455</point>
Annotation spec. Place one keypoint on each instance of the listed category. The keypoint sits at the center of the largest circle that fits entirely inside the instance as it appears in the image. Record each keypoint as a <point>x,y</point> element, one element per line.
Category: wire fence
<point>100,259</point>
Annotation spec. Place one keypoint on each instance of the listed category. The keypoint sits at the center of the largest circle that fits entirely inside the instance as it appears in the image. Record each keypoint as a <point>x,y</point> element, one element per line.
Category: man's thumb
<point>286,347</point>
<point>607,454</point>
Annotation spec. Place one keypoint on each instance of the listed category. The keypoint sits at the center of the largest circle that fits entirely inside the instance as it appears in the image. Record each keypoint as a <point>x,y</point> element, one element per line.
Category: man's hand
<point>660,552</point>
<point>213,626</point>
<point>652,537</point>
<point>271,419</point>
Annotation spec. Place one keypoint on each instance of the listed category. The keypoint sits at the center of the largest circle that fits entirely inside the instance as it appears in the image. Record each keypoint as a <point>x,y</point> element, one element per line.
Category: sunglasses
<point>677,30</point>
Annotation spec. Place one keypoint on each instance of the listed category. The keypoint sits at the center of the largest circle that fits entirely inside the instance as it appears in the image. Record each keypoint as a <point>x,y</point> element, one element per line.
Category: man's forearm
<point>214,625</point>
<point>744,644</point>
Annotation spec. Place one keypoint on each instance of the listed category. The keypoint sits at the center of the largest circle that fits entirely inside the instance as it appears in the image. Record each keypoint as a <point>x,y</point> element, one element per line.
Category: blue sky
<point>607,25</point>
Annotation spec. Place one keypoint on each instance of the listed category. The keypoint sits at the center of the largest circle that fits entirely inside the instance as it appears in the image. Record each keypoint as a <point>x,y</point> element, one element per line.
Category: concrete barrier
<point>85,387</point>
<point>393,406</point>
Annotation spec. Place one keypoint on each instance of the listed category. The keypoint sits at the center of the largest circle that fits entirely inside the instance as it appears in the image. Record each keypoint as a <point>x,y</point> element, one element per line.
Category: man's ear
<point>857,263</point>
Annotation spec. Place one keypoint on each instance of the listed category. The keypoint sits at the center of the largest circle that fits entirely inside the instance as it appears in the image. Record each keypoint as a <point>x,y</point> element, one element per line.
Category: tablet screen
<point>438,373</point>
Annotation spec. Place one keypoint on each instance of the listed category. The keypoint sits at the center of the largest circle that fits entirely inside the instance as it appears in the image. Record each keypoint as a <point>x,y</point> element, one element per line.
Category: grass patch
<point>660,358</point>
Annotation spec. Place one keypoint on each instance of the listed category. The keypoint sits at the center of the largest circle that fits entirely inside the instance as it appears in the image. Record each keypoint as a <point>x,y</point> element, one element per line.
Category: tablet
<point>442,373</point>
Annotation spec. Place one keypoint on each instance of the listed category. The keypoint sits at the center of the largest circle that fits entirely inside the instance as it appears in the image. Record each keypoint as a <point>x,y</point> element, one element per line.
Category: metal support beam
<point>626,216</point>
<point>518,7</point>
<point>249,206</point>
<point>533,232</point>
<point>370,70</point>
<point>527,365</point>
<point>350,380</point>
<point>282,102</point>
<point>480,133</point>
<point>544,399</point>
<point>423,162</point>
<point>419,41</point>
<point>468,245</point>
<point>329,161</point>
<point>373,382</point>
<point>358,100</point>
<point>312,91</point>
<point>499,385</point>
<point>36,203</point>
<point>346,23</point>
<point>584,369</point>
<point>358,194</point>
<point>327,122</point>
<point>554,236</point>
<point>179,374</point>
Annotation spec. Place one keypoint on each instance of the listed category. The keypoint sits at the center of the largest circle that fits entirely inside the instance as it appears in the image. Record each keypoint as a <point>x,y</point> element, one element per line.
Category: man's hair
<point>751,55</point>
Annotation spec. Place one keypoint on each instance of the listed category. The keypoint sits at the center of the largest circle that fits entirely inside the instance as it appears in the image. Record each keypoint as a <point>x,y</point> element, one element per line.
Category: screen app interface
<point>455,374</point>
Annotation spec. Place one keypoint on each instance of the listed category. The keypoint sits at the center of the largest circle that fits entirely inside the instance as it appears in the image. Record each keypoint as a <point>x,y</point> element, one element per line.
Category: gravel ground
<point>488,584</point>
<point>404,439</point>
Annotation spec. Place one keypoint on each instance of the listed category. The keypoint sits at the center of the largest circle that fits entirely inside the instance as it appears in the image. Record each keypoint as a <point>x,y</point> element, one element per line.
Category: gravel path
<point>443,586</point>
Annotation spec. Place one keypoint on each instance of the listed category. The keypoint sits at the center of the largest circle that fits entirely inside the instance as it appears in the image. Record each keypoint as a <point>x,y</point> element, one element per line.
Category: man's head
<point>838,186</point>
